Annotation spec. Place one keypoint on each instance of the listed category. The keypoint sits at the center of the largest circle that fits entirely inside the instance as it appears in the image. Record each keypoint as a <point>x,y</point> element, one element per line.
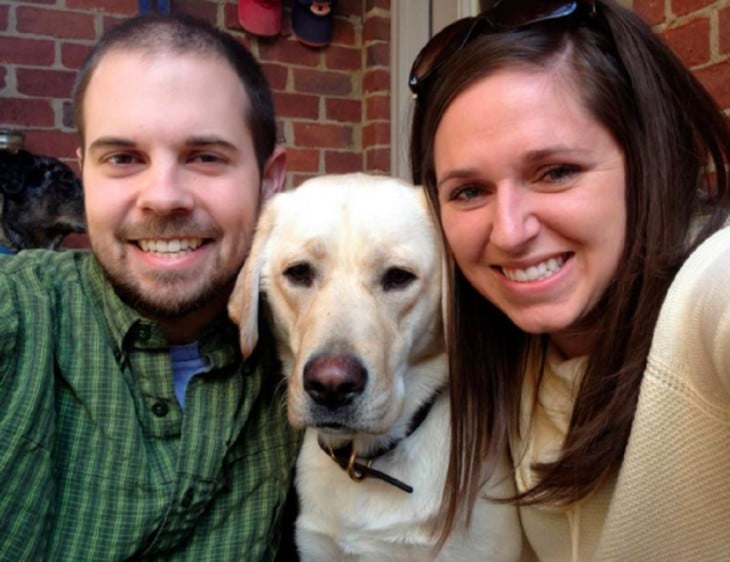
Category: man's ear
<point>80,158</point>
<point>273,179</point>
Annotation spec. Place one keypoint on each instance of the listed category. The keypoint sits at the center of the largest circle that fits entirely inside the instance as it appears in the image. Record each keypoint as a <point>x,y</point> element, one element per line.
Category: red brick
<point>45,82</point>
<point>28,112</point>
<point>120,7</point>
<point>715,79</point>
<point>376,29</point>
<point>691,42</point>
<point>377,160</point>
<point>377,107</point>
<point>345,111</point>
<point>343,58</point>
<point>51,142</point>
<point>276,75</point>
<point>230,17</point>
<point>651,11</point>
<point>343,33</point>
<point>724,18</point>
<point>302,159</point>
<point>684,7</point>
<point>352,8</point>
<point>107,22</point>
<point>67,115</point>
<point>378,55</point>
<point>289,52</point>
<point>207,11</point>
<point>280,132</point>
<point>295,180</point>
<point>342,162</point>
<point>55,23</point>
<point>4,10</point>
<point>374,4</point>
<point>73,54</point>
<point>376,134</point>
<point>324,136</point>
<point>322,82</point>
<point>296,105</point>
<point>19,50</point>
<point>376,80</point>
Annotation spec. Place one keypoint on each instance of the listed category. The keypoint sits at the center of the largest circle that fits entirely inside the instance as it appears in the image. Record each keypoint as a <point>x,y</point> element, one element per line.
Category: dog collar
<point>6,250</point>
<point>359,468</point>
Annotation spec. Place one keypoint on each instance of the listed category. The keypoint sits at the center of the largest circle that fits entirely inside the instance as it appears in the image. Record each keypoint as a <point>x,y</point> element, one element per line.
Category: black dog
<point>41,201</point>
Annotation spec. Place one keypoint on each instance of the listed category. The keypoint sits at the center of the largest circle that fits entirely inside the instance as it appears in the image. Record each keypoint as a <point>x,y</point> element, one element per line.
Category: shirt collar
<point>127,329</point>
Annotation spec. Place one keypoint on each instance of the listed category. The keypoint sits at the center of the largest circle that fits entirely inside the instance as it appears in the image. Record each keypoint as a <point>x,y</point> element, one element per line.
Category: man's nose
<point>166,189</point>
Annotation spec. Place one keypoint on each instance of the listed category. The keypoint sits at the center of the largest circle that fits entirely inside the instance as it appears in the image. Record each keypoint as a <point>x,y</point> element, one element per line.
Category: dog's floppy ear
<point>243,306</point>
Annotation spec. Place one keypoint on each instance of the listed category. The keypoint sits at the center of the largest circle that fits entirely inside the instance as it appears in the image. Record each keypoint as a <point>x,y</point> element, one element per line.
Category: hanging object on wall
<point>260,17</point>
<point>147,6</point>
<point>312,22</point>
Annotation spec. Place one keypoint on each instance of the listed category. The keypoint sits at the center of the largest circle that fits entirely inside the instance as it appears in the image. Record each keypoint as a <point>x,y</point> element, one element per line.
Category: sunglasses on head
<point>502,15</point>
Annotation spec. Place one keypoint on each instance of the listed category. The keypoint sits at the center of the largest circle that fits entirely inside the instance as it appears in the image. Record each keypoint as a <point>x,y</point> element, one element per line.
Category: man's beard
<point>168,306</point>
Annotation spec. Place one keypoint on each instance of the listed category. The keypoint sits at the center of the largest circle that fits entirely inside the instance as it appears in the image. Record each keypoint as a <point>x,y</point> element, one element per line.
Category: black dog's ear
<point>13,170</point>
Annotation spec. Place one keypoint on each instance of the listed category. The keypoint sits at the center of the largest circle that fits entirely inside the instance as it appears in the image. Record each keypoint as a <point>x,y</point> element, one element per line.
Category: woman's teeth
<point>536,272</point>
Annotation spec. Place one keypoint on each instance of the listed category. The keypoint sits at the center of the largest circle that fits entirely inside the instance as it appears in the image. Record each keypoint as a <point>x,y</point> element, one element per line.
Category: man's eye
<point>207,158</point>
<point>121,159</point>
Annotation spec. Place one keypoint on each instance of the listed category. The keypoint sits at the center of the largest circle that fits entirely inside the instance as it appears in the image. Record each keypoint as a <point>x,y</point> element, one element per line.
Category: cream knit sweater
<point>671,498</point>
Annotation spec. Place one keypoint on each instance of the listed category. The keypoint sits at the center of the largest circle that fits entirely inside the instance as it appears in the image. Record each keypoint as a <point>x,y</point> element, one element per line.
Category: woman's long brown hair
<point>670,130</point>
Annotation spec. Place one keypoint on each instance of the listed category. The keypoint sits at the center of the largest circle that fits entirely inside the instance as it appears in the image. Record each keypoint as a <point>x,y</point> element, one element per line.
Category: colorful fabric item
<point>312,22</point>
<point>260,17</point>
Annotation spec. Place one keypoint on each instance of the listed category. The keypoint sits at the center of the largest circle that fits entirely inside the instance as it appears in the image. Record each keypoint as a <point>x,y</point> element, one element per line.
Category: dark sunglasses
<point>502,15</point>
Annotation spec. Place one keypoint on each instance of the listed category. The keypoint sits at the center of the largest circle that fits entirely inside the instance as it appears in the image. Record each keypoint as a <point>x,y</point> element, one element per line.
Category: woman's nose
<point>514,222</point>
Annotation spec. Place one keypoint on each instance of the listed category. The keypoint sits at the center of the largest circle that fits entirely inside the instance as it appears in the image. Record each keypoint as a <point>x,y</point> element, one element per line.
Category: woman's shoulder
<point>692,335</point>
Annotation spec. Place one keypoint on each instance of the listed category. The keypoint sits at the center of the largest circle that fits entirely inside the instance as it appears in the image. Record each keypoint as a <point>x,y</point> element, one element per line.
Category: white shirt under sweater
<point>671,498</point>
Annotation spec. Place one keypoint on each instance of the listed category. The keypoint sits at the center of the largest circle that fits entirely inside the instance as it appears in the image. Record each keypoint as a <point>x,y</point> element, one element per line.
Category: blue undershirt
<point>186,363</point>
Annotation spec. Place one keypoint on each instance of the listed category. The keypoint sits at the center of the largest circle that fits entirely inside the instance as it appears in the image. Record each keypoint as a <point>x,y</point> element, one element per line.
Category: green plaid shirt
<point>97,460</point>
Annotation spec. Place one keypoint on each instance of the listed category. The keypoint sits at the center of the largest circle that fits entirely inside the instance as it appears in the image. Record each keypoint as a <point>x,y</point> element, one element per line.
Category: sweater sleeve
<point>693,332</point>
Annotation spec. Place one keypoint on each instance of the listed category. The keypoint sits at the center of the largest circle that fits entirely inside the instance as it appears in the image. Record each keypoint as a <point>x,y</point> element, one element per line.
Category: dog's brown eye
<point>396,278</point>
<point>300,274</point>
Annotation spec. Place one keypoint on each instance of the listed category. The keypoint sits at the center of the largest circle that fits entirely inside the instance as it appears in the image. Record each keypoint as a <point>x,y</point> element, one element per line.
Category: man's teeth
<point>536,272</point>
<point>173,248</point>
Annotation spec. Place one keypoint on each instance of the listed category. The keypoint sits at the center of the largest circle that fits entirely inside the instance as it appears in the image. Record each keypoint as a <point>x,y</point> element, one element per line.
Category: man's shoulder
<point>36,280</point>
<point>53,266</point>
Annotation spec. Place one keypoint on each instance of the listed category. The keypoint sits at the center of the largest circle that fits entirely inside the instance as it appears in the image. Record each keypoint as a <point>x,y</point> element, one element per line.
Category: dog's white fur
<point>350,231</point>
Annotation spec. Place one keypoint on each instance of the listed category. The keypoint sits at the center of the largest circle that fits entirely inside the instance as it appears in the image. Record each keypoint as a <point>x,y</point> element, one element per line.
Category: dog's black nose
<point>334,381</point>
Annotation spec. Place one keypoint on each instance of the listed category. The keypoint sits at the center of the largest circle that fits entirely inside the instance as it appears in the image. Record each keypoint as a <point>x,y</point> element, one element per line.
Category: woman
<point>580,175</point>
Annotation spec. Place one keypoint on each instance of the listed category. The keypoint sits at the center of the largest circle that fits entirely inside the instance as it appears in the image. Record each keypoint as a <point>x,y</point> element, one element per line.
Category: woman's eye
<point>466,193</point>
<point>559,173</point>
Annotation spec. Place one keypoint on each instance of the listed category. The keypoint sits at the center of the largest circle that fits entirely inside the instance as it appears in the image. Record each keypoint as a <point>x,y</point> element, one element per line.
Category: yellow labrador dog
<point>351,270</point>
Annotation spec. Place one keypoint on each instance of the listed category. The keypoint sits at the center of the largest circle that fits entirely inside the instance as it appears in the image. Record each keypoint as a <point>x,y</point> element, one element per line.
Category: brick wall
<point>699,32</point>
<point>333,103</point>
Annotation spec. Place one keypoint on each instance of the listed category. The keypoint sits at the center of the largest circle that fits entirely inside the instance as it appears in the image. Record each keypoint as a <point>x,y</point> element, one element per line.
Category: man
<point>129,427</point>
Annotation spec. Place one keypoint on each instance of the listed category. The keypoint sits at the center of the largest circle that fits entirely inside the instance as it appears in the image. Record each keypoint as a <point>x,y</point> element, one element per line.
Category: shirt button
<point>160,409</point>
<point>144,333</point>
<point>187,499</point>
